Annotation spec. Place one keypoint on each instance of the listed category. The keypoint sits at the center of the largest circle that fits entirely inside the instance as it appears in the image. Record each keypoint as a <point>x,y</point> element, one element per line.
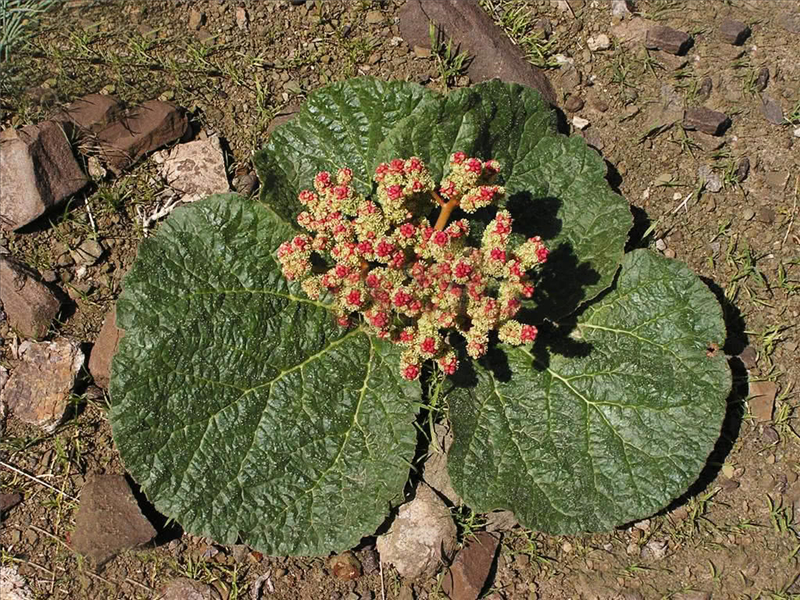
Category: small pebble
<point>748,214</point>
<point>669,253</point>
<point>580,122</point>
<point>797,132</point>
<point>601,42</point>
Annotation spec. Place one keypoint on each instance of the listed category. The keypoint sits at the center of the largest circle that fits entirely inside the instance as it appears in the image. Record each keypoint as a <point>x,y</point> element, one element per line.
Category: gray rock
<point>668,39</point>
<point>422,536</point>
<point>790,21</point>
<point>29,304</point>
<point>109,520</point>
<point>494,55</point>
<point>195,169</point>
<point>733,32</point>
<point>41,380</point>
<point>142,130</point>
<point>742,169</point>
<point>749,357</point>
<point>37,170</point>
<point>13,586</point>
<point>500,520</point>
<point>189,589</point>
<point>706,120</point>
<point>771,110</point>
<point>88,253</point>
<point>619,8</point>
<point>242,18</point>
<point>573,104</point>
<point>655,549</point>
<point>713,183</point>
<point>435,472</point>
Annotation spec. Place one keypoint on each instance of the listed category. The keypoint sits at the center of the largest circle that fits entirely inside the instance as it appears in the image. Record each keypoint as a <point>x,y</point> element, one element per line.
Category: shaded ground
<point>735,537</point>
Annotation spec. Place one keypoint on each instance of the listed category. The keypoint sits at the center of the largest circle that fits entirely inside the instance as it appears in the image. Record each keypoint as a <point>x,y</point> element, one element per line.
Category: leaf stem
<point>444,215</point>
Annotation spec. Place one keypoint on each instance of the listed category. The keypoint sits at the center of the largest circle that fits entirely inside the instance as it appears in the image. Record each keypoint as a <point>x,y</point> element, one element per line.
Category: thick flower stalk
<point>413,282</point>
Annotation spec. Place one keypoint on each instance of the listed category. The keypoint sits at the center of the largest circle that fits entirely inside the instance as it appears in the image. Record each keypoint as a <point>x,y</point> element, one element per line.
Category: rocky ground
<point>694,104</point>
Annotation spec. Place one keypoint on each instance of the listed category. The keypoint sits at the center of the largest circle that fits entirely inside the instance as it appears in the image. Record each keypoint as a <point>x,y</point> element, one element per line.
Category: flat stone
<point>733,32</point>
<point>142,130</point>
<point>600,42</point>
<point>667,39</point>
<point>29,304</point>
<point>761,399</point>
<point>631,31</point>
<point>88,253</point>
<point>435,472</point>
<point>38,171</point>
<point>771,110</point>
<point>580,122</point>
<point>422,536</point>
<point>796,133</point>
<point>712,180</point>
<point>706,86</point>
<point>374,17</point>
<point>500,520</point>
<point>91,113</point>
<point>196,19</point>
<point>742,169</point>
<point>105,346</point>
<point>284,116</point>
<point>619,9</point>
<point>9,501</point>
<point>41,380</point>
<point>189,589</point>
<point>790,21</point>
<point>777,180</point>
<point>422,52</point>
<point>573,104</point>
<point>109,520</point>
<point>195,169</point>
<point>242,18</point>
<point>670,62</point>
<point>495,56</point>
<point>766,215</point>
<point>762,79</point>
<point>749,357</point>
<point>706,120</point>
<point>467,576</point>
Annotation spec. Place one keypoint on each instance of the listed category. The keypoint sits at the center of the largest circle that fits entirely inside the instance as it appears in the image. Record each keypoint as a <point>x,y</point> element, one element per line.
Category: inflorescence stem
<point>444,216</point>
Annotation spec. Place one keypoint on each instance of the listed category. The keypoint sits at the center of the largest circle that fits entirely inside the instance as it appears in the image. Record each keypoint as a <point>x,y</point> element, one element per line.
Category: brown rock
<point>494,56</point>
<point>762,399</point>
<point>766,215</point>
<point>667,39</point>
<point>763,79</point>
<point>467,575</point>
<point>706,120</point>
<point>144,129</point>
<point>37,171</point>
<point>189,589</point>
<point>109,520</point>
<point>41,381</point>
<point>573,104</point>
<point>105,346</point>
<point>284,116</point>
<point>631,31</point>
<point>9,501</point>
<point>29,304</point>
<point>90,113</point>
<point>734,32</point>
<point>742,169</point>
<point>345,566</point>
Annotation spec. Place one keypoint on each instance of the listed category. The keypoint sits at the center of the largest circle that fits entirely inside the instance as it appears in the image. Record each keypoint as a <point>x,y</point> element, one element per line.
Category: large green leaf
<point>239,405</point>
<point>555,184</point>
<point>340,125</point>
<point>614,427</point>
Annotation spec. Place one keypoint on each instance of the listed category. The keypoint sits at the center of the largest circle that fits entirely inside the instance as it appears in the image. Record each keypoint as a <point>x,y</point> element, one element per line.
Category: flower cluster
<point>411,281</point>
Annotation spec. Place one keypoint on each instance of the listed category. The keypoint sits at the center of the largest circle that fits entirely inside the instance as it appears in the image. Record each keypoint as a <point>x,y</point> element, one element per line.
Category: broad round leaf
<point>611,429</point>
<point>239,406</point>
